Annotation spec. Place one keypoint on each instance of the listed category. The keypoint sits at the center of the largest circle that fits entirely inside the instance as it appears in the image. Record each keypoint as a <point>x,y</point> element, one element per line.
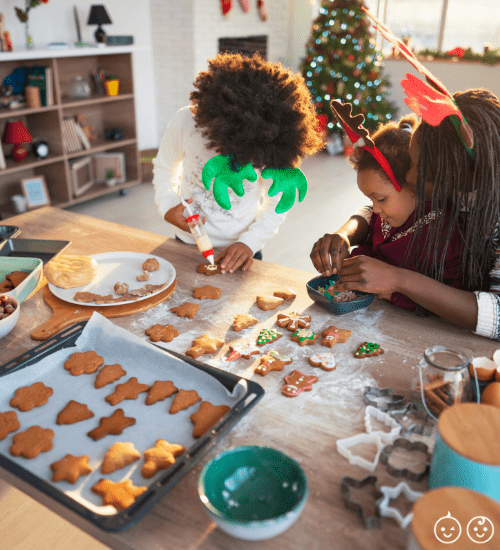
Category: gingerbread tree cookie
<point>269,302</point>
<point>204,344</point>
<point>120,495</point>
<point>108,374</point>
<point>159,391</point>
<point>160,457</point>
<point>70,468</point>
<point>272,361</point>
<point>74,412</point>
<point>243,320</point>
<point>118,456</point>
<point>114,425</point>
<point>304,337</point>
<point>293,321</point>
<point>268,335</point>
<point>368,350</point>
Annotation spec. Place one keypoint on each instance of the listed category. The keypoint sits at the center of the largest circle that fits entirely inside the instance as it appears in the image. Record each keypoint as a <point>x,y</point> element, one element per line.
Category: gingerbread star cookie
<point>129,390</point>
<point>70,468</point>
<point>120,495</point>
<point>160,457</point>
<point>204,344</point>
<point>304,337</point>
<point>297,383</point>
<point>74,412</point>
<point>118,456</point>
<point>209,269</point>
<point>368,350</point>
<point>243,348</point>
<point>187,309</point>
<point>108,374</point>
<point>325,361</point>
<point>207,292</point>
<point>32,442</point>
<point>243,320</point>
<point>268,335</point>
<point>206,417</point>
<point>269,302</point>
<point>29,397</point>
<point>165,333</point>
<point>83,363</point>
<point>114,425</point>
<point>293,321</point>
<point>8,423</point>
<point>272,361</point>
<point>332,335</point>
<point>183,400</point>
<point>159,391</point>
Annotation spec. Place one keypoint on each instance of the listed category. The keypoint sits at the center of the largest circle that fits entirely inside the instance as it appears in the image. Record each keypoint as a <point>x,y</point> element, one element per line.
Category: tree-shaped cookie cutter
<point>386,419</point>
<point>344,445</point>
<point>421,425</point>
<point>373,396</point>
<point>391,493</point>
<point>417,446</point>
<point>370,522</point>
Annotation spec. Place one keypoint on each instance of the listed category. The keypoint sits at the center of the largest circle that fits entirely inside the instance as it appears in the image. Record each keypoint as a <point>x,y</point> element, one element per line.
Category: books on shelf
<point>41,77</point>
<point>2,159</point>
<point>74,137</point>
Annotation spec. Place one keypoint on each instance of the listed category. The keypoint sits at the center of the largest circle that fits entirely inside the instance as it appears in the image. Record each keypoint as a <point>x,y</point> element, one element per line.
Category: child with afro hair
<point>256,112</point>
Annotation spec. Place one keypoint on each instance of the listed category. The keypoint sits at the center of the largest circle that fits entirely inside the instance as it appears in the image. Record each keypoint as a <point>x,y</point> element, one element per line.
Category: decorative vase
<point>29,38</point>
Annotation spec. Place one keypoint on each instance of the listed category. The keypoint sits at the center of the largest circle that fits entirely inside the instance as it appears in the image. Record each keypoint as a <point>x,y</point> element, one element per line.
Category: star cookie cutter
<point>370,522</point>
<point>386,419</point>
<point>411,446</point>
<point>382,399</point>
<point>391,493</point>
<point>413,420</point>
<point>344,445</point>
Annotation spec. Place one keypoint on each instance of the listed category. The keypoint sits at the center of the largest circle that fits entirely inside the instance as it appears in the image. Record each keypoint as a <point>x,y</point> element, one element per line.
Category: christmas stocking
<point>261,4</point>
<point>226,6</point>
<point>245,5</point>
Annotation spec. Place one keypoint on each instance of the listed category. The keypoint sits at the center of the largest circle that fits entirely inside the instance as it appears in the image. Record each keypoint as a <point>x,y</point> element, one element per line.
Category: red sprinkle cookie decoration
<point>368,350</point>
<point>297,383</point>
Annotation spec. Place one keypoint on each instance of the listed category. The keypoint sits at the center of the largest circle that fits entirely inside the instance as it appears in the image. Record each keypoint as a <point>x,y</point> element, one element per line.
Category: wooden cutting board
<point>65,314</point>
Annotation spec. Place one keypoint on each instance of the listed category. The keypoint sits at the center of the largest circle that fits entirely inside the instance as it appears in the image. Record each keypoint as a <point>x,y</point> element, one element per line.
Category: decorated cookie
<point>243,348</point>
<point>272,361</point>
<point>243,320</point>
<point>206,292</point>
<point>118,456</point>
<point>151,264</point>
<point>183,400</point>
<point>29,397</point>
<point>332,335</point>
<point>297,383</point>
<point>111,425</point>
<point>206,417</point>
<point>83,363</point>
<point>165,333</point>
<point>70,468</point>
<point>8,423</point>
<point>304,337</point>
<point>268,335</point>
<point>74,412</point>
<point>293,321</point>
<point>159,391</point>
<point>269,302</point>
<point>286,294</point>
<point>32,442</point>
<point>120,495</point>
<point>187,309</point>
<point>367,350</point>
<point>129,390</point>
<point>108,374</point>
<point>160,457</point>
<point>324,360</point>
<point>209,269</point>
<point>204,344</point>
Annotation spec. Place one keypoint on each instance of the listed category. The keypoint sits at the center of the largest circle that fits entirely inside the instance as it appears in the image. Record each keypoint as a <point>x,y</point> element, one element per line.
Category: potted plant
<point>111,85</point>
<point>110,177</point>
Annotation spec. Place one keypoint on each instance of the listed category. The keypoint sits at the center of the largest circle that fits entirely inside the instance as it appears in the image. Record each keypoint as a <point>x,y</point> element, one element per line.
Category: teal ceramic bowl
<point>253,493</point>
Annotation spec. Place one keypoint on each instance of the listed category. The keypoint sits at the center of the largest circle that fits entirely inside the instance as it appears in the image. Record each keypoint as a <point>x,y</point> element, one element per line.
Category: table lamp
<point>16,133</point>
<point>99,16</point>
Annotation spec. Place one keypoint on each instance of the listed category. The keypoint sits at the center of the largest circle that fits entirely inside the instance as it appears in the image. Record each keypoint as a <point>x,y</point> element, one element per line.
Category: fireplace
<point>247,46</point>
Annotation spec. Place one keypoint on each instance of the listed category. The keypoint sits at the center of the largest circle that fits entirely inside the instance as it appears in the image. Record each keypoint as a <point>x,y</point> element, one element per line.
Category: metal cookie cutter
<point>391,493</point>
<point>383,399</point>
<point>413,420</point>
<point>386,437</point>
<point>370,482</point>
<point>344,445</point>
<point>403,443</point>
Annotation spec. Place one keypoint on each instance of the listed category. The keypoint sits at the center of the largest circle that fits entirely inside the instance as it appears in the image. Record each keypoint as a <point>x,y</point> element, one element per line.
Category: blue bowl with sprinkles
<point>324,299</point>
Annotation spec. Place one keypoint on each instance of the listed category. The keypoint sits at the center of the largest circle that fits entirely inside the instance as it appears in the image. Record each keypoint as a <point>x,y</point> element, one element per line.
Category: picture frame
<point>82,176</point>
<point>35,192</point>
<point>109,161</point>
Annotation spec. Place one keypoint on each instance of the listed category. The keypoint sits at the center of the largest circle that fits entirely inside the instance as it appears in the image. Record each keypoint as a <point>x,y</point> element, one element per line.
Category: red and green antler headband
<point>353,126</point>
<point>433,102</point>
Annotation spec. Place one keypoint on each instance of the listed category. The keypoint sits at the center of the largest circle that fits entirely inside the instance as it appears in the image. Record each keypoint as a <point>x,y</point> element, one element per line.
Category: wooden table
<point>306,427</point>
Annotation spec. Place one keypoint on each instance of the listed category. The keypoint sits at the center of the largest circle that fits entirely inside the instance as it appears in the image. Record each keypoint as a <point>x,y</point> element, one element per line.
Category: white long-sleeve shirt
<point>177,173</point>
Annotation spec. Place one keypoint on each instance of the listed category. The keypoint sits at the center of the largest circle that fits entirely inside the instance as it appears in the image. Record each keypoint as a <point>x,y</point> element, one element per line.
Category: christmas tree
<point>342,63</point>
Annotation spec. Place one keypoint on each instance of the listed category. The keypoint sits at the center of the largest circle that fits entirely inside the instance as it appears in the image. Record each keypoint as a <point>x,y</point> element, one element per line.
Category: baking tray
<point>160,484</point>
<point>33,248</point>
<point>8,232</point>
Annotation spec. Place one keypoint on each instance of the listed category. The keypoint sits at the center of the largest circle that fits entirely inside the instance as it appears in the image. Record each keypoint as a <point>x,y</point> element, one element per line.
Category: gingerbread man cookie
<point>129,390</point>
<point>8,423</point>
<point>293,321</point>
<point>206,417</point>
<point>243,348</point>
<point>204,344</point>
<point>269,302</point>
<point>187,309</point>
<point>120,495</point>
<point>118,456</point>
<point>32,442</point>
<point>324,360</point>
<point>304,337</point>
<point>297,383</point>
<point>332,335</point>
<point>268,335</point>
<point>29,397</point>
<point>160,457</point>
<point>70,468</point>
<point>183,400</point>
<point>243,320</point>
<point>209,269</point>
<point>108,374</point>
<point>83,363</point>
<point>272,361</point>
<point>207,292</point>
<point>74,412</point>
<point>159,391</point>
<point>111,425</point>
<point>368,350</point>
<point>165,333</point>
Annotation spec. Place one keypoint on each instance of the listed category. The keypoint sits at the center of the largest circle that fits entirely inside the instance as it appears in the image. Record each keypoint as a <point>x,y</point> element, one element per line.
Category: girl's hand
<point>175,216</point>
<point>368,275</point>
<point>238,254</point>
<point>328,252</point>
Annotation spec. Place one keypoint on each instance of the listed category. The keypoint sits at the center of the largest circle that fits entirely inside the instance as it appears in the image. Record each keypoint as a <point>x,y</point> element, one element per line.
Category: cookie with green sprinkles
<point>368,350</point>
<point>268,335</point>
<point>304,337</point>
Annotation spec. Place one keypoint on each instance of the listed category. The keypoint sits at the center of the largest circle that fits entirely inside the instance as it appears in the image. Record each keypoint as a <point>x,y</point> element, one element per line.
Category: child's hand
<point>328,252</point>
<point>236,255</point>
<point>175,216</point>
<point>368,275</point>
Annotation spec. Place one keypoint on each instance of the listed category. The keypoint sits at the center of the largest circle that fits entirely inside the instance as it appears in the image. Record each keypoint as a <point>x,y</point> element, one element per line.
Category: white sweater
<point>177,172</point>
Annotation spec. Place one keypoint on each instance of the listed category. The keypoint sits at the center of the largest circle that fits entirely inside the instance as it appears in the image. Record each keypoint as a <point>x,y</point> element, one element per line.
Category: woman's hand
<point>236,255</point>
<point>328,252</point>
<point>175,216</point>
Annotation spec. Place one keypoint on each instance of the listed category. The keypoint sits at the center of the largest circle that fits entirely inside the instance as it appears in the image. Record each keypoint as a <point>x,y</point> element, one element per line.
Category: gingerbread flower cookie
<point>368,350</point>
<point>8,423</point>
<point>206,417</point>
<point>243,320</point>
<point>70,468</point>
<point>120,495</point>
<point>32,442</point>
<point>209,269</point>
<point>293,321</point>
<point>204,344</point>
<point>165,333</point>
<point>324,360</point>
<point>83,363</point>
<point>111,425</point>
<point>159,391</point>
<point>268,335</point>
<point>304,337</point>
<point>272,361</point>
<point>207,292</point>
<point>129,390</point>
<point>269,302</point>
<point>297,383</point>
<point>332,335</point>
<point>160,457</point>
<point>187,309</point>
<point>243,348</point>
<point>118,456</point>
<point>29,397</point>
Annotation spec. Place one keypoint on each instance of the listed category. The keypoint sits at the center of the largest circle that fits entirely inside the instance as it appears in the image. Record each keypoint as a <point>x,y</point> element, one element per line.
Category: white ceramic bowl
<point>253,493</point>
<point>7,324</point>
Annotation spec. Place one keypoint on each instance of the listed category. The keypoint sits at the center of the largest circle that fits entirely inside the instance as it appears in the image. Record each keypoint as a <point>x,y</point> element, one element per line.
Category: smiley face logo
<point>480,529</point>
<point>447,529</point>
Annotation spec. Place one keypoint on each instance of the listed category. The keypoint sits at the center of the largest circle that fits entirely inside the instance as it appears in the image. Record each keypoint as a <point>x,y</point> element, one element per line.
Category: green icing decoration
<point>286,181</point>
<point>368,348</point>
<point>268,335</point>
<point>219,167</point>
<point>302,338</point>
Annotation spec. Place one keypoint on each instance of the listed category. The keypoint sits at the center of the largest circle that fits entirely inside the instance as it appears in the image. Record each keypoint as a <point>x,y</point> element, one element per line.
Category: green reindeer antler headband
<point>285,180</point>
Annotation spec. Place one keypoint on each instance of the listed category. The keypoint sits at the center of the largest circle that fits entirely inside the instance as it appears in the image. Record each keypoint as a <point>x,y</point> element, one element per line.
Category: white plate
<point>119,267</point>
